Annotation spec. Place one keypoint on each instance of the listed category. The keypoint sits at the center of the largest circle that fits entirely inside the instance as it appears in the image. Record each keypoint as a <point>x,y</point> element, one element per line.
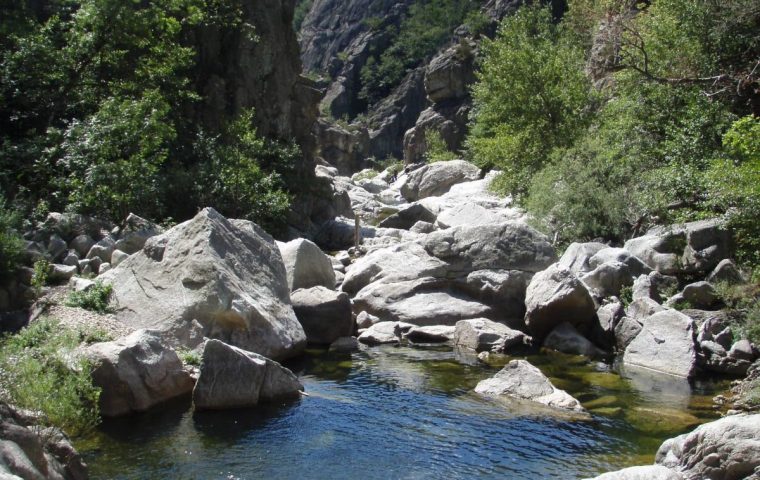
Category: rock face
<point>665,344</point>
<point>725,449</point>
<point>555,296</point>
<point>136,372</point>
<point>565,338</point>
<point>483,335</point>
<point>306,265</point>
<point>226,274</point>
<point>521,380</point>
<point>233,378</point>
<point>29,451</point>
<point>324,314</point>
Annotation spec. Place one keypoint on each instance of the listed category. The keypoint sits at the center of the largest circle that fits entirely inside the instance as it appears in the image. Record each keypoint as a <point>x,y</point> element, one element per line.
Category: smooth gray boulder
<point>437,178</point>
<point>306,265</point>
<point>117,257</point>
<point>635,265</point>
<point>701,295</point>
<point>419,302</point>
<point>61,273</point>
<point>232,378</point>
<point>654,285</point>
<point>324,314</point>
<point>625,331</point>
<point>665,344</point>
<point>608,279</point>
<point>577,256</point>
<point>504,290</point>
<point>554,296</point>
<point>82,244</point>
<point>566,339</point>
<point>366,320</point>
<point>227,274</point>
<point>607,318</point>
<point>136,372</point>
<point>483,335</point>
<point>504,246</point>
<point>102,250</point>
<point>646,472</point>
<point>521,380</point>
<point>431,334</point>
<point>725,449</point>
<point>468,214</point>
<point>642,308</point>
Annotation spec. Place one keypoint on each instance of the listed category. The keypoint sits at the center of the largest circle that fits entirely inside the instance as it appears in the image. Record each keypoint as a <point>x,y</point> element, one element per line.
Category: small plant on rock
<point>96,298</point>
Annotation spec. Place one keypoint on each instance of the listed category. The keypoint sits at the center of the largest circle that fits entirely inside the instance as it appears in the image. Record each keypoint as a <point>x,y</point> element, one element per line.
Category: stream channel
<point>399,412</point>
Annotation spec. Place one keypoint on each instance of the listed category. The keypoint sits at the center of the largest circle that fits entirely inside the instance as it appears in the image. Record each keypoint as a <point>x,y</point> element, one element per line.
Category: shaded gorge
<point>403,412</point>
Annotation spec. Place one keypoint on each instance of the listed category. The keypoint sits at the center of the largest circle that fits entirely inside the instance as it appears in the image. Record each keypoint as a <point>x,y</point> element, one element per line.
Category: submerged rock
<point>231,378</point>
<point>431,334</point>
<point>227,274</point>
<point>136,372</point>
<point>521,380</point>
<point>566,339</point>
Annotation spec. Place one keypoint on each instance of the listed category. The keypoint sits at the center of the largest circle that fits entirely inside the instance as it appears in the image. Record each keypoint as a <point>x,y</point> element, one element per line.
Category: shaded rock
<point>655,286</point>
<point>521,380</point>
<point>555,296</point>
<point>30,451</point>
<point>344,345</point>
<point>728,448</point>
<point>135,233</point>
<point>324,314</point>
<point>71,259</point>
<point>607,318</point>
<point>136,372</point>
<point>648,472</point>
<point>56,247</point>
<point>407,217</point>
<point>227,274</point>
<point>232,378</point>
<point>481,334</point>
<point>577,256</point>
<point>102,250</point>
<point>742,350</point>
<point>61,273</point>
<point>437,178</point>
<point>726,272</point>
<point>82,244</point>
<point>566,339</point>
<point>422,227</point>
<point>306,265</point>
<point>626,330</point>
<point>449,74</point>
<point>700,295</point>
<point>431,334</point>
<point>504,290</point>
<point>665,344</point>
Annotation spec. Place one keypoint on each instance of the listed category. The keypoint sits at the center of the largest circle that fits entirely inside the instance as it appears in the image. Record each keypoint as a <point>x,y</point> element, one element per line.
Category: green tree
<point>531,97</point>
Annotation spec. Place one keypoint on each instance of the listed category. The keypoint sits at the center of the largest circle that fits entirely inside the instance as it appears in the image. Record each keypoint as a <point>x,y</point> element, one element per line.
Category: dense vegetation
<point>426,26</point>
<point>622,115</point>
<point>39,372</point>
<point>94,102</point>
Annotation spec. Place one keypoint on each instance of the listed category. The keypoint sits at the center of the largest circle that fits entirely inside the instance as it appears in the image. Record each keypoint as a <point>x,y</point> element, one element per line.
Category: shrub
<point>96,298</point>
<point>39,371</point>
<point>189,357</point>
<point>437,150</point>
<point>743,302</point>
<point>40,276</point>
<point>11,245</point>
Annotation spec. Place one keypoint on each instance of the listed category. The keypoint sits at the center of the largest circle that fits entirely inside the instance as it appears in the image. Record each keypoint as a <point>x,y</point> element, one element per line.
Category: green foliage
<point>531,97</point>
<point>743,304</point>
<point>97,298</point>
<point>626,296</point>
<point>300,12</point>
<point>39,371</point>
<point>11,244</point>
<point>437,149</point>
<point>366,174</point>
<point>427,25</point>
<point>189,357</point>
<point>40,276</point>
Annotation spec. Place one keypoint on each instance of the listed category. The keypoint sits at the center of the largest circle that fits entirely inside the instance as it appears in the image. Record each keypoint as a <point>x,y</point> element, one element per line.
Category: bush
<point>11,244</point>
<point>437,150</point>
<point>531,97</point>
<point>40,276</point>
<point>189,357</point>
<point>38,371</point>
<point>96,298</point>
<point>743,303</point>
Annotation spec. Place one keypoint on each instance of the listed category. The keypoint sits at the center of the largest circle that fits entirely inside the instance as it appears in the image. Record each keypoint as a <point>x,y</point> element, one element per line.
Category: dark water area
<point>408,413</point>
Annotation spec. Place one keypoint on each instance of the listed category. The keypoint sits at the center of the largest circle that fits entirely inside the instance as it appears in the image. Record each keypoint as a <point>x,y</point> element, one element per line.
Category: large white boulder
<point>665,344</point>
<point>306,265</point>
<point>437,178</point>
<point>483,335</point>
<point>136,372</point>
<point>226,274</point>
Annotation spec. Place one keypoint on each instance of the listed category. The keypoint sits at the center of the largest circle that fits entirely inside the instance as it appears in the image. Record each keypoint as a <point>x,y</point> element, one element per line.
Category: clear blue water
<point>406,413</point>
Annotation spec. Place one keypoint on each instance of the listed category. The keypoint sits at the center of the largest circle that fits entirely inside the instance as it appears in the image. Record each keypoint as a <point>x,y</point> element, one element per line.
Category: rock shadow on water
<point>160,421</point>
